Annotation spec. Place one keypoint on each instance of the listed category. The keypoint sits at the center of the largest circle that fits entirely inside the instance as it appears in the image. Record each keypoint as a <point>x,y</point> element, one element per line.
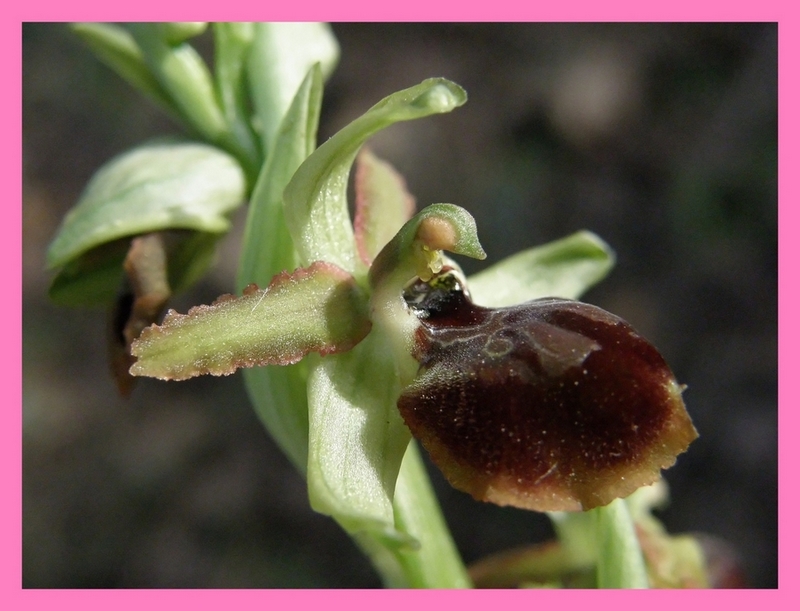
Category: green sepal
<point>316,198</point>
<point>315,309</point>
<point>564,268</point>
<point>92,279</point>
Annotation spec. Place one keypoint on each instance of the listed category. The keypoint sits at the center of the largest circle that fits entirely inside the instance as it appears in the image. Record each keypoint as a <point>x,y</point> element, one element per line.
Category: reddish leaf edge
<point>173,321</point>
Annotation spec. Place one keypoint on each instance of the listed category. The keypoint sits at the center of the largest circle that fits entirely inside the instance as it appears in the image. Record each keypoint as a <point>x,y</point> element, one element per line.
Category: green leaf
<point>281,56</point>
<point>383,205</point>
<point>356,439</point>
<point>619,563</point>
<point>115,47</point>
<point>315,309</point>
<point>316,198</point>
<point>565,268</point>
<point>278,394</point>
<point>167,185</point>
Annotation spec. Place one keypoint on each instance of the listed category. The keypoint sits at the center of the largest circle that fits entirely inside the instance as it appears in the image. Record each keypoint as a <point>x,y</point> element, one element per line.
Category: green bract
<point>155,187</point>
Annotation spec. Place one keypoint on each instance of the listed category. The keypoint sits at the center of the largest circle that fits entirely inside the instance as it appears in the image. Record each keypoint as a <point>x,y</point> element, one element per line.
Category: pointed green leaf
<point>281,56</point>
<point>383,205</point>
<point>316,198</point>
<point>115,47</point>
<point>278,394</point>
<point>154,187</point>
<point>619,560</point>
<point>564,268</point>
<point>315,309</point>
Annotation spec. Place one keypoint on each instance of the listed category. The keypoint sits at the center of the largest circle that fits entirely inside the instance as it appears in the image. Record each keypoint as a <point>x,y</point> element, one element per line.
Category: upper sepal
<point>315,309</point>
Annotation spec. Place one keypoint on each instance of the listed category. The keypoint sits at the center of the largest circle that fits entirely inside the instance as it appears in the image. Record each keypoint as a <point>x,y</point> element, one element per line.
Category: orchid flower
<point>357,336</point>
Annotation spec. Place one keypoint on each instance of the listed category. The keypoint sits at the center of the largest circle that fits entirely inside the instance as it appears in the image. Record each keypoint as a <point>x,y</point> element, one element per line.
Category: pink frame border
<point>779,11</point>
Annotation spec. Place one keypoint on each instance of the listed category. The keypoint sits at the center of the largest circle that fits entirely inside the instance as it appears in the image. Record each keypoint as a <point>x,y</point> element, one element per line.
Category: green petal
<point>168,185</point>
<point>565,268</point>
<point>316,198</point>
<point>280,58</point>
<point>278,394</point>
<point>383,205</point>
<point>315,309</point>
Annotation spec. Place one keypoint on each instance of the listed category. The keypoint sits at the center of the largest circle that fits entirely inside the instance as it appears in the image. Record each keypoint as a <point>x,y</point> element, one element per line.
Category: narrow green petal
<point>280,58</point>
<point>278,394</point>
<point>155,187</point>
<point>316,198</point>
<point>565,268</point>
<point>315,309</point>
<point>383,205</point>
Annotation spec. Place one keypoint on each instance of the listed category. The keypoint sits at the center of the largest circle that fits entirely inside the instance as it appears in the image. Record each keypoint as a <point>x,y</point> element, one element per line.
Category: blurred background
<point>661,138</point>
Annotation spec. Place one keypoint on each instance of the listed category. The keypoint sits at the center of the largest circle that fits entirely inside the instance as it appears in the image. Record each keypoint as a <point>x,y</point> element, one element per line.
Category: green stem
<point>436,563</point>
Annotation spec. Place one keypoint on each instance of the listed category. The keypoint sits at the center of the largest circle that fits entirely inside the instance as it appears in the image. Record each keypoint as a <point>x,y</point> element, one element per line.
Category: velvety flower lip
<point>551,405</point>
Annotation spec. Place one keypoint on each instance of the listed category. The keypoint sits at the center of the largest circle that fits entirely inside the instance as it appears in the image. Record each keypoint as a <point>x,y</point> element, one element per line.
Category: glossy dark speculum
<point>549,405</point>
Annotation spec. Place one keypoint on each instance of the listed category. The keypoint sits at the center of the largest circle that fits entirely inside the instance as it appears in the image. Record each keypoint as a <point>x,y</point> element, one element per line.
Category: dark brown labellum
<point>549,405</point>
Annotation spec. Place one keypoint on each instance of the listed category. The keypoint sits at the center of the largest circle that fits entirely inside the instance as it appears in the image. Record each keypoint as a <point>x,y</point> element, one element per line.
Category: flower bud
<point>550,405</point>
